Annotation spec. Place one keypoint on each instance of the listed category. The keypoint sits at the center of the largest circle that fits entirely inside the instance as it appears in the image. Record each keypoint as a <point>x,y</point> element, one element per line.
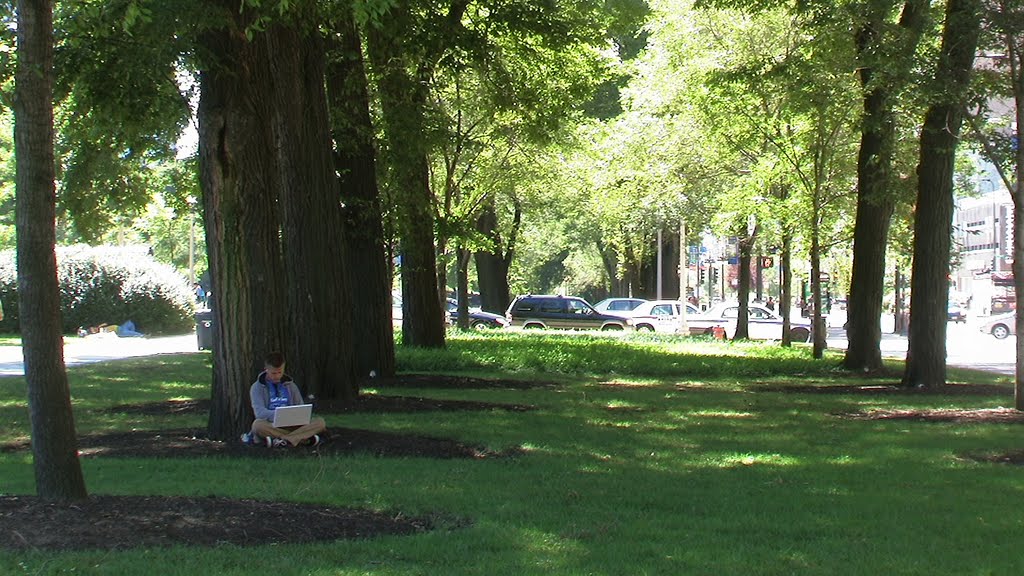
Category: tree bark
<point>875,204</point>
<point>367,265</point>
<point>462,286</point>
<point>58,472</point>
<point>492,265</point>
<point>929,285</point>
<point>746,246</point>
<point>786,296</point>
<point>320,343</point>
<point>818,329</point>
<point>238,177</point>
<point>403,97</point>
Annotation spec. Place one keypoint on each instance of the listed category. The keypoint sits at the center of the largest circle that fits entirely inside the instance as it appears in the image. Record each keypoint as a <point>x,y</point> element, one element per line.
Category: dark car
<point>478,319</point>
<point>566,312</point>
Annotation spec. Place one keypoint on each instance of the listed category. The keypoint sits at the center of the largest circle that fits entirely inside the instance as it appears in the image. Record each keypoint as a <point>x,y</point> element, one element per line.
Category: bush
<point>108,285</point>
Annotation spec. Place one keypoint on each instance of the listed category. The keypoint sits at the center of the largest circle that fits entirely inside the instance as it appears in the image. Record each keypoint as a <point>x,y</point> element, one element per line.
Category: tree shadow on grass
<point>998,415</point>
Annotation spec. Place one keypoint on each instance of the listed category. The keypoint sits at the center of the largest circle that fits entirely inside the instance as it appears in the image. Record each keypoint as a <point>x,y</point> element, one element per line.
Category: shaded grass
<point>636,463</point>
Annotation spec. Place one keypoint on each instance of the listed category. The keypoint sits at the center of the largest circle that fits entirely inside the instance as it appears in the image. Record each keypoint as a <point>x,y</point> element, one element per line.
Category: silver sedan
<point>1001,326</point>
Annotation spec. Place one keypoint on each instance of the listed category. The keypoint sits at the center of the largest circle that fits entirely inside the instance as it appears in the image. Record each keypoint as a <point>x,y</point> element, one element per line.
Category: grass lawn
<point>648,455</point>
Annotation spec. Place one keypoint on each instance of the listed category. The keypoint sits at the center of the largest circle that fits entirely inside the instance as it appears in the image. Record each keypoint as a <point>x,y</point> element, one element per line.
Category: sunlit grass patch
<point>750,459</point>
<point>728,414</point>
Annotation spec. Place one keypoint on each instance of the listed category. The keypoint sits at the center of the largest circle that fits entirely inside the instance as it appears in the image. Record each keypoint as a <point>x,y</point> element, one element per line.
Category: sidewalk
<point>101,347</point>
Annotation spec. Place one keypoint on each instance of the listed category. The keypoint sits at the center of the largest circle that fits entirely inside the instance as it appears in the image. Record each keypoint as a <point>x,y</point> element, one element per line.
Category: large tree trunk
<point>237,178</point>
<point>320,334</point>
<point>58,472</point>
<point>1016,55</point>
<point>875,202</point>
<point>403,97</point>
<point>492,266</point>
<point>367,265</point>
<point>874,215</point>
<point>929,285</point>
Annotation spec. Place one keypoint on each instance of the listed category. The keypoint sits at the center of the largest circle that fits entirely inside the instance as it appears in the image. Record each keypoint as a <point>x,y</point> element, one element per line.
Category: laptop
<point>297,415</point>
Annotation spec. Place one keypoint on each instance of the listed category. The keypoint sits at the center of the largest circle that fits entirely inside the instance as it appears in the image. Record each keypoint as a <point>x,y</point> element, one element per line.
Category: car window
<point>758,313</point>
<point>733,312</point>
<point>662,310</point>
<point>551,306</point>
<point>578,307</point>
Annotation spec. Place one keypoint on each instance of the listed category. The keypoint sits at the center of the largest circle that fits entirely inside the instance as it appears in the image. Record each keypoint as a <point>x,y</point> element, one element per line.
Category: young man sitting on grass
<point>272,389</point>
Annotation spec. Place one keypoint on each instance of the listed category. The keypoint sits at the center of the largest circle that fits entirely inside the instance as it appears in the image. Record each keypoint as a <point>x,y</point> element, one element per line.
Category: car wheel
<point>533,326</point>
<point>1000,331</point>
<point>608,327</point>
<point>479,325</point>
<point>645,328</point>
<point>800,334</point>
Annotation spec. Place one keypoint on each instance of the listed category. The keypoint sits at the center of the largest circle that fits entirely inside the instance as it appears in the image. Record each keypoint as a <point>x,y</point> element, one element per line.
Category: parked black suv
<point>566,312</point>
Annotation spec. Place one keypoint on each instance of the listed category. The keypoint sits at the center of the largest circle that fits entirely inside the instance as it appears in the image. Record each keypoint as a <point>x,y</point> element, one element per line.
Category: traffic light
<point>767,262</point>
<point>700,275</point>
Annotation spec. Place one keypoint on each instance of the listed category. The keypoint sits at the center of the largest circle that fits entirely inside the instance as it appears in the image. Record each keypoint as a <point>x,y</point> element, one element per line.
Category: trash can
<point>204,329</point>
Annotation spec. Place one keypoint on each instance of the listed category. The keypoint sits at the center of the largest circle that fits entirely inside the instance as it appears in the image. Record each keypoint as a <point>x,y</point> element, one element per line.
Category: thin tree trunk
<point>367,265</point>
<point>746,246</point>
<point>237,178</point>
<point>817,318</point>
<point>786,299</point>
<point>462,286</point>
<point>929,285</point>
<point>58,472</point>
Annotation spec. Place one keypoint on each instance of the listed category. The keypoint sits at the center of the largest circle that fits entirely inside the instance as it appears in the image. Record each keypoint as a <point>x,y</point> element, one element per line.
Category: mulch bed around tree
<point>121,522</point>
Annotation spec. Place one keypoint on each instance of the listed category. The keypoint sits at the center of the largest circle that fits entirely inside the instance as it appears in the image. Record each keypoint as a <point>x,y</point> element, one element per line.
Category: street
<point>966,347</point>
<point>100,347</point>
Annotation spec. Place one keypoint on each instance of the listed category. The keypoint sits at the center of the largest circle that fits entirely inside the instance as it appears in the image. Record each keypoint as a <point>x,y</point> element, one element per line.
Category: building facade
<point>982,277</point>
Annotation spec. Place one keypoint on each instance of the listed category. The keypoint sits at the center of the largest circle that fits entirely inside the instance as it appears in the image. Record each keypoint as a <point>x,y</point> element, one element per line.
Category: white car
<point>660,316</point>
<point>618,306</point>
<point>396,310</point>
<point>762,323</point>
<point>1001,326</point>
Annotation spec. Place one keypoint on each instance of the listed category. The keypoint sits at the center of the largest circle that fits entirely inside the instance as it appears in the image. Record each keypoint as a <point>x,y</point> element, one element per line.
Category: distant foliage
<point>108,285</point>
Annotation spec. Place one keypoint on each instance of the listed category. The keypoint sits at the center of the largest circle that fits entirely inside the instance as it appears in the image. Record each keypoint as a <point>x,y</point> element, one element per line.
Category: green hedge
<point>108,285</point>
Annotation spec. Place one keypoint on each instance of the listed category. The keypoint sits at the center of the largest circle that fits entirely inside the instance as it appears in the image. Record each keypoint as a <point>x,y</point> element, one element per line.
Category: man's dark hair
<point>274,359</point>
